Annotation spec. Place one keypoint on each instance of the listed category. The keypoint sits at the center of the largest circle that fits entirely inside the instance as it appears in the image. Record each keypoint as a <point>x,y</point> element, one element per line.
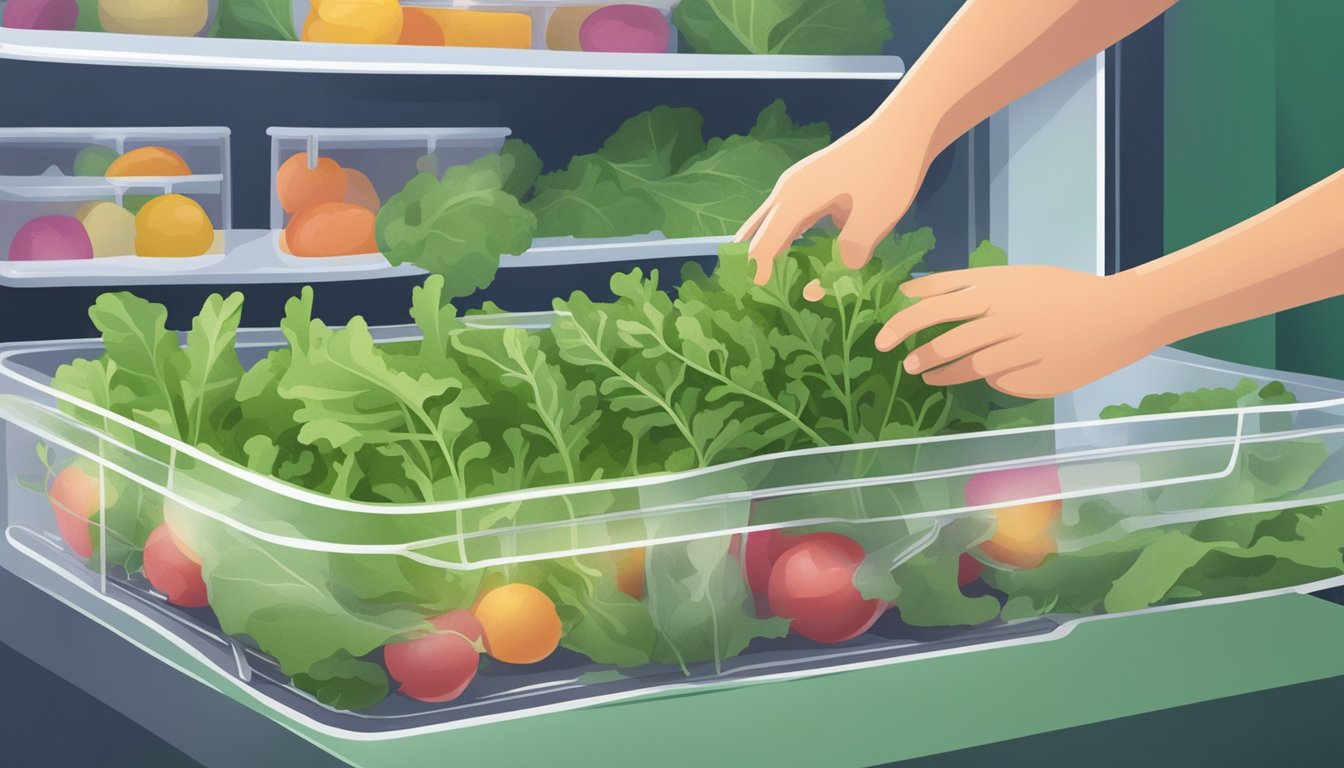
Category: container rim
<point>269,337</point>
<point>375,134</point>
<point>170,132</point>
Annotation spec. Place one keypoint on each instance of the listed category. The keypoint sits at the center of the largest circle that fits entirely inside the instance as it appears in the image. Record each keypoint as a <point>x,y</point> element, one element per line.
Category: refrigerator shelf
<point>254,257</point>
<point>53,188</point>
<point>280,56</point>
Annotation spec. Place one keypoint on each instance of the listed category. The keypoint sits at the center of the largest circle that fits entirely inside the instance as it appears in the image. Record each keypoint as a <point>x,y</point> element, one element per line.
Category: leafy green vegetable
<point>344,682</point>
<point>658,173</point>
<point>458,225</point>
<point>784,26</point>
<point>254,20</point>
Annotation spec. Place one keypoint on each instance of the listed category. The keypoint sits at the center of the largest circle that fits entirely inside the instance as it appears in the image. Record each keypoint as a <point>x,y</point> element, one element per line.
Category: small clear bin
<point>172,18</point>
<point>134,195</point>
<point>556,25</point>
<point>328,183</point>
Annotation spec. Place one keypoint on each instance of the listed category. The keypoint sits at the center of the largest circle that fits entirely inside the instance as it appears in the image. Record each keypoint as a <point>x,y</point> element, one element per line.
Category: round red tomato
<point>812,584</point>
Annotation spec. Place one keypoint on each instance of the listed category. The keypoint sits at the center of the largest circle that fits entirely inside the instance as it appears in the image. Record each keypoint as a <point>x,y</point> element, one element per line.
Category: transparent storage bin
<point>644,26</point>
<point>70,193</point>
<point>171,18</point>
<point>342,175</point>
<point>91,495</point>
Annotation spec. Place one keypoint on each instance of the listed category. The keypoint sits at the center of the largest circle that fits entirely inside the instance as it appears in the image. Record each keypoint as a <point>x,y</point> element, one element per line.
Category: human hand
<point>864,182</point>
<point>1029,331</point>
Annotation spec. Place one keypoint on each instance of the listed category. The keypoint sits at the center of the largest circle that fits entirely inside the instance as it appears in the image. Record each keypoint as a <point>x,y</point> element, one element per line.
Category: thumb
<point>860,236</point>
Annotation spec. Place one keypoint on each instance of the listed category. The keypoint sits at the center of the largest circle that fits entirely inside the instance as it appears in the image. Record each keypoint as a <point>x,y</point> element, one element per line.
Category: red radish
<point>1022,532</point>
<point>812,583</point>
<point>438,667</point>
<point>74,499</point>
<point>172,572</point>
<point>762,549</point>
<point>968,569</point>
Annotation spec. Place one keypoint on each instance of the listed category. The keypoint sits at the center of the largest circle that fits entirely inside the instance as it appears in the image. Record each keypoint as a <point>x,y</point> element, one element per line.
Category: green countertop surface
<point>1100,671</point>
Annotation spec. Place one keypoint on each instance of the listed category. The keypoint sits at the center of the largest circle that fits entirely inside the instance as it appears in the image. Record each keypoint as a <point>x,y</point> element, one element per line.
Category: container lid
<point>103,134</point>
<point>376,134</point>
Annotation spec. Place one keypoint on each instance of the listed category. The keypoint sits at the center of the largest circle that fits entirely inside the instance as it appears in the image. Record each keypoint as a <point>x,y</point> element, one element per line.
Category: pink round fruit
<point>55,15</point>
<point>172,571</point>
<point>75,497</point>
<point>438,666</point>
<point>625,29</point>
<point>812,584</point>
<point>51,238</point>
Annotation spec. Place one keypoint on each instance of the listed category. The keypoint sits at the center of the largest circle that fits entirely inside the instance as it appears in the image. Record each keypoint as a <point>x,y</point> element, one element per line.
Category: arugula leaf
<point>254,20</point>
<point>784,26</point>
<point>344,682</point>
<point>457,226</point>
<point>526,167</point>
<point>210,368</point>
<point>147,359</point>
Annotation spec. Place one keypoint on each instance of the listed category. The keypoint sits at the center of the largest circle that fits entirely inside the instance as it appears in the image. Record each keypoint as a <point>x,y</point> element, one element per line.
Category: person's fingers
<point>781,227</point>
<point>753,221</point>
<point>938,283</point>
<point>813,291</point>
<point>961,305</point>
<point>991,361</point>
<point>957,343</point>
<point>862,231</point>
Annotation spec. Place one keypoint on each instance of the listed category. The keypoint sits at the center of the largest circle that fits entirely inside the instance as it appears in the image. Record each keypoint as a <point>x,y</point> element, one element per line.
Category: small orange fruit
<point>419,28</point>
<point>1022,534</point>
<point>332,229</point>
<point>520,623</point>
<point>300,187</point>
<point>149,161</point>
<point>359,190</point>
<point>630,572</point>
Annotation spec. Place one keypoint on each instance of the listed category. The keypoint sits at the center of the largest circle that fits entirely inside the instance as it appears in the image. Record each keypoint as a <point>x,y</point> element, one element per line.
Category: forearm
<point>995,51</point>
<point>1285,257</point>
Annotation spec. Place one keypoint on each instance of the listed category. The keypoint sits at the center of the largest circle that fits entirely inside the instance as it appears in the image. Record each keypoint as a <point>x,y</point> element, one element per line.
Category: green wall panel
<point>1310,144</point>
<point>1220,127</point>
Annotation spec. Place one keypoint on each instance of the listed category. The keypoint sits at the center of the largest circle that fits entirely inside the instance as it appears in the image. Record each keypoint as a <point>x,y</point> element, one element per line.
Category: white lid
<point>374,134</point>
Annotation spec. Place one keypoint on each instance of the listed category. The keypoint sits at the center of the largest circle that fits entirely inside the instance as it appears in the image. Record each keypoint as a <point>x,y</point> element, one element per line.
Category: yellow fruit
<point>520,623</point>
<point>173,225</point>
<point>354,21</point>
<point>562,32</point>
<point>483,29</point>
<point>111,228</point>
<point>149,161</point>
<point>179,18</point>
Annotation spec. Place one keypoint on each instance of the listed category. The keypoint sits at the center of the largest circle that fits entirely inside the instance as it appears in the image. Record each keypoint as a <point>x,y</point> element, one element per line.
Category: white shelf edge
<point>252,258</point>
<point>281,56</point>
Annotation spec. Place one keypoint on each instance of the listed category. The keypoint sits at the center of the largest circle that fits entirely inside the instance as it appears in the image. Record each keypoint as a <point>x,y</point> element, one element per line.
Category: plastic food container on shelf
<point>328,183</point>
<point>175,18</point>
<point>557,25</point>
<point>148,198</point>
<point>311,587</point>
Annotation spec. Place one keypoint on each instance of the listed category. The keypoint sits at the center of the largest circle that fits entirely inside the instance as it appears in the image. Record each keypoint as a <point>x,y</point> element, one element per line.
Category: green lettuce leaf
<point>784,26</point>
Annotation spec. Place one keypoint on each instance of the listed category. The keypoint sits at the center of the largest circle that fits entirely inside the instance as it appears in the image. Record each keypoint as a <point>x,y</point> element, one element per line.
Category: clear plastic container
<point>657,562</point>
<point>557,25</point>
<point>332,180</point>
<point>68,194</point>
<point>171,18</point>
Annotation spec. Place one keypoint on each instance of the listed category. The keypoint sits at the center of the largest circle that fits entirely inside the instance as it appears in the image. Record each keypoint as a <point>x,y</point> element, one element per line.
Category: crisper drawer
<point>368,618</point>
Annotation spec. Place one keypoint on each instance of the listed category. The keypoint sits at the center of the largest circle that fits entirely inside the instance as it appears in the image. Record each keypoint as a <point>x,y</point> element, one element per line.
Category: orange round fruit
<point>630,572</point>
<point>75,497</point>
<point>520,623</point>
<point>149,161</point>
<point>332,229</point>
<point>300,187</point>
<point>359,191</point>
<point>172,226</point>
<point>419,28</point>
<point>1022,534</point>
